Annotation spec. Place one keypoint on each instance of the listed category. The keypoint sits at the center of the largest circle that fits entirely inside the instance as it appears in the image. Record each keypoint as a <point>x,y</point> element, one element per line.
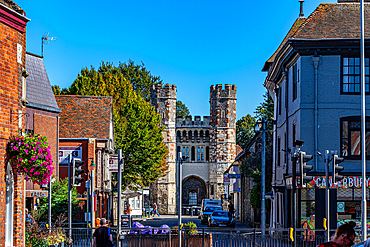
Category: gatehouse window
<point>178,134</point>
<point>193,153</point>
<point>193,198</point>
<point>185,153</point>
<point>184,133</point>
<point>196,133</point>
<point>190,134</point>
<point>200,153</point>
<point>201,133</point>
<point>207,153</point>
<point>207,133</point>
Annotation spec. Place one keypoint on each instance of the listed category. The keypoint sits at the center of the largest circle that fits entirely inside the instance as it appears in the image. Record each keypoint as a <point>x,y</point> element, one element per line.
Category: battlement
<point>167,91</point>
<point>217,92</point>
<point>189,122</point>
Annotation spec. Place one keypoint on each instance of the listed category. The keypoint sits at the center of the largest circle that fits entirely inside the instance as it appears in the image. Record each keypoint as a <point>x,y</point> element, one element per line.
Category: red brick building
<point>13,101</point>
<point>41,118</point>
<point>86,131</point>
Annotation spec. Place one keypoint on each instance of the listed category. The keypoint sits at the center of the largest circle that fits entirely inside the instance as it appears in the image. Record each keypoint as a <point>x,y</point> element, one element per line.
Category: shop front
<point>345,202</point>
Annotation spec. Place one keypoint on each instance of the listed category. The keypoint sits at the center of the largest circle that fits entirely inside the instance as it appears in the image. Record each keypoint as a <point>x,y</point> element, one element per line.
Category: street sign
<point>226,179</point>
<point>113,164</point>
<point>237,176</point>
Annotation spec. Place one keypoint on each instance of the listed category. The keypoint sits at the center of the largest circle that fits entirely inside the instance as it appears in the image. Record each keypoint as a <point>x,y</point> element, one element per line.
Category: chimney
<point>301,14</point>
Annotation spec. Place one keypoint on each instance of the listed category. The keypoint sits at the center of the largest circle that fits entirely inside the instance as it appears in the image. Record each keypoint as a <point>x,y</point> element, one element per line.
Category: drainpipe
<point>286,145</point>
<point>316,60</point>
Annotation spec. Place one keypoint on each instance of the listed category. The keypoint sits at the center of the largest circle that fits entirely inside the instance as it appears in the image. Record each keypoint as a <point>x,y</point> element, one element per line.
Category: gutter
<point>44,107</point>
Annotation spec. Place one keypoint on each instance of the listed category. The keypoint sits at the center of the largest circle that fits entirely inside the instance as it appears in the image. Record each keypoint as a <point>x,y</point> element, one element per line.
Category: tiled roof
<point>10,4</point>
<point>84,116</point>
<point>334,20</point>
<point>297,24</point>
<point>328,21</point>
<point>38,88</point>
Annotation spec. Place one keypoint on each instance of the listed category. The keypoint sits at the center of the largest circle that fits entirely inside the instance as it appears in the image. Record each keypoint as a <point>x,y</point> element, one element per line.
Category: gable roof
<point>11,5</point>
<point>85,116</point>
<point>38,88</point>
<point>334,20</point>
<point>296,25</point>
<point>327,21</point>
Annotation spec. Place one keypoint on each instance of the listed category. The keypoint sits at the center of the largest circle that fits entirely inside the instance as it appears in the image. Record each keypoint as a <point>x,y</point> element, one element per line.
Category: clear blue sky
<point>192,44</point>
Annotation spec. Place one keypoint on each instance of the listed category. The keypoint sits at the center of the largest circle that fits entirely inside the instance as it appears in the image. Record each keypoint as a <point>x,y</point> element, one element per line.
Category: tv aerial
<point>45,40</point>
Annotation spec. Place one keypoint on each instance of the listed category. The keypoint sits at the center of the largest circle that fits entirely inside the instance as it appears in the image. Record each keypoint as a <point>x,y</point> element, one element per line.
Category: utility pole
<point>119,194</point>
<point>294,193</point>
<point>69,197</point>
<point>327,195</point>
<point>263,176</point>
<point>49,206</point>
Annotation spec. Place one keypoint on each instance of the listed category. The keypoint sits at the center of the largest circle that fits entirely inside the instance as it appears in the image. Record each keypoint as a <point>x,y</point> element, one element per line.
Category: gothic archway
<point>194,190</point>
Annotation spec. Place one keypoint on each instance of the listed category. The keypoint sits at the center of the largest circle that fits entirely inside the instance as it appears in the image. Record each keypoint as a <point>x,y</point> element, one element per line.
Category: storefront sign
<point>64,152</point>
<point>346,183</point>
<point>234,175</point>
<point>113,164</point>
<point>37,193</point>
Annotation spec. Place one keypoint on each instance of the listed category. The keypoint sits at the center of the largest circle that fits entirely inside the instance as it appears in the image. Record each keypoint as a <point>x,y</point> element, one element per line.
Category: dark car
<point>207,213</point>
<point>221,218</point>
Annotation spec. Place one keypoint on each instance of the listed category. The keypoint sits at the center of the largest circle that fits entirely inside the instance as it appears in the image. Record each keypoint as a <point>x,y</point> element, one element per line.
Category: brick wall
<point>10,89</point>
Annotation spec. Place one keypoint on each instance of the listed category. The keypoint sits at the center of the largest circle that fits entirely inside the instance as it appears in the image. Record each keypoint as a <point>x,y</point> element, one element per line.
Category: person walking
<point>102,235</point>
<point>155,209</point>
<point>344,237</point>
<point>128,209</point>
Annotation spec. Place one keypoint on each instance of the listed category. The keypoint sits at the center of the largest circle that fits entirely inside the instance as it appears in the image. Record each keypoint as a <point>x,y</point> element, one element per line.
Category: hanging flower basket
<point>30,155</point>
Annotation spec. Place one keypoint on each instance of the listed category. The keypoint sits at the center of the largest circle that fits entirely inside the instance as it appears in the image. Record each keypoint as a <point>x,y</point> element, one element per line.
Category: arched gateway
<point>193,191</point>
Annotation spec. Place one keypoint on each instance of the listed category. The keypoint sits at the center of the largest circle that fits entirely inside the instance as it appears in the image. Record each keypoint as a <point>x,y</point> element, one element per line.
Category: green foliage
<point>59,201</point>
<point>136,124</point>
<point>140,78</point>
<point>182,110</point>
<point>245,130</point>
<point>191,228</point>
<point>58,91</point>
<point>251,166</point>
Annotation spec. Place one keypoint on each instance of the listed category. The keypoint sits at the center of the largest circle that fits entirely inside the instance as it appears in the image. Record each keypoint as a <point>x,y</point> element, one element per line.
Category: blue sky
<point>192,44</point>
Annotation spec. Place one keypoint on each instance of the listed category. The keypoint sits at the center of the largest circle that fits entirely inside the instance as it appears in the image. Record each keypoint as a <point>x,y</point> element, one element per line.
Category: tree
<point>58,91</point>
<point>182,110</point>
<point>140,78</point>
<point>59,201</point>
<point>136,124</point>
<point>245,130</point>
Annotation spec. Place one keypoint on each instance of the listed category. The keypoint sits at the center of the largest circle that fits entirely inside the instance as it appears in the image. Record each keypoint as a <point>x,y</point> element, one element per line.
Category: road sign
<point>237,176</point>
<point>226,179</point>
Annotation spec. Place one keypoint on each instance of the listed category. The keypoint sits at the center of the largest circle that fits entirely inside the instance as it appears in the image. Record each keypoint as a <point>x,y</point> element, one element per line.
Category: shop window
<point>351,137</point>
<point>351,75</point>
<point>308,208</point>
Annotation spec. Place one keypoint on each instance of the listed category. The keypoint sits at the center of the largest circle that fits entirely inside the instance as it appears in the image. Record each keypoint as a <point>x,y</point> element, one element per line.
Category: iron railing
<point>206,237</point>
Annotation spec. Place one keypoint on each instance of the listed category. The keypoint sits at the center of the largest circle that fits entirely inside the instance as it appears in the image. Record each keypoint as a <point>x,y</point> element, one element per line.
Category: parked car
<point>209,202</point>
<point>221,218</point>
<point>207,213</point>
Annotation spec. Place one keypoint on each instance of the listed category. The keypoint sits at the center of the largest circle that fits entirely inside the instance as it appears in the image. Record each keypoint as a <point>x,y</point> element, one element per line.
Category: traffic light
<point>76,172</point>
<point>336,168</point>
<point>304,168</point>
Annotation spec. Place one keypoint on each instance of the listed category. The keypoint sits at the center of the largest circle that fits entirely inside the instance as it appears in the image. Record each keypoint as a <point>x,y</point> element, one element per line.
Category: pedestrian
<point>231,208</point>
<point>102,235</point>
<point>128,209</point>
<point>155,209</point>
<point>29,218</point>
<point>344,236</point>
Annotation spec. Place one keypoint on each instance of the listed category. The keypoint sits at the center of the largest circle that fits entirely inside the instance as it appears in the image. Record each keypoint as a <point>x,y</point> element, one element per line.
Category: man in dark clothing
<point>101,234</point>
<point>344,236</point>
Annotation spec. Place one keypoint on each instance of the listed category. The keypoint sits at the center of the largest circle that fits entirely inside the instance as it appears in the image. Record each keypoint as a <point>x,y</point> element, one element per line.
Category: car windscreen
<point>211,209</point>
<point>220,214</point>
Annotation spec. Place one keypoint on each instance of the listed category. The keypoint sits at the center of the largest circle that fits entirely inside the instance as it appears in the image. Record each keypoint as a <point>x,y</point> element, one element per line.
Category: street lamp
<point>261,126</point>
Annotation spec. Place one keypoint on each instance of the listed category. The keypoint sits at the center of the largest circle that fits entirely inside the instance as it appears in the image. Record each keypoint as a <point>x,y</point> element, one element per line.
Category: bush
<point>191,228</point>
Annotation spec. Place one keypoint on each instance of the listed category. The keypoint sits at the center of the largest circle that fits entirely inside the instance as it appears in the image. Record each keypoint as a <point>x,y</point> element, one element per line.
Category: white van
<point>209,202</point>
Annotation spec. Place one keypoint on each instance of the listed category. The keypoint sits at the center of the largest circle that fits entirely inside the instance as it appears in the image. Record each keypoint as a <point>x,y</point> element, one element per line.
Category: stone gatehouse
<point>207,147</point>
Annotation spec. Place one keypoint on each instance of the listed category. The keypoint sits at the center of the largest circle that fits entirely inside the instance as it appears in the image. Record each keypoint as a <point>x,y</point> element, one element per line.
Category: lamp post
<point>179,185</point>
<point>363,122</point>
<point>262,123</point>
